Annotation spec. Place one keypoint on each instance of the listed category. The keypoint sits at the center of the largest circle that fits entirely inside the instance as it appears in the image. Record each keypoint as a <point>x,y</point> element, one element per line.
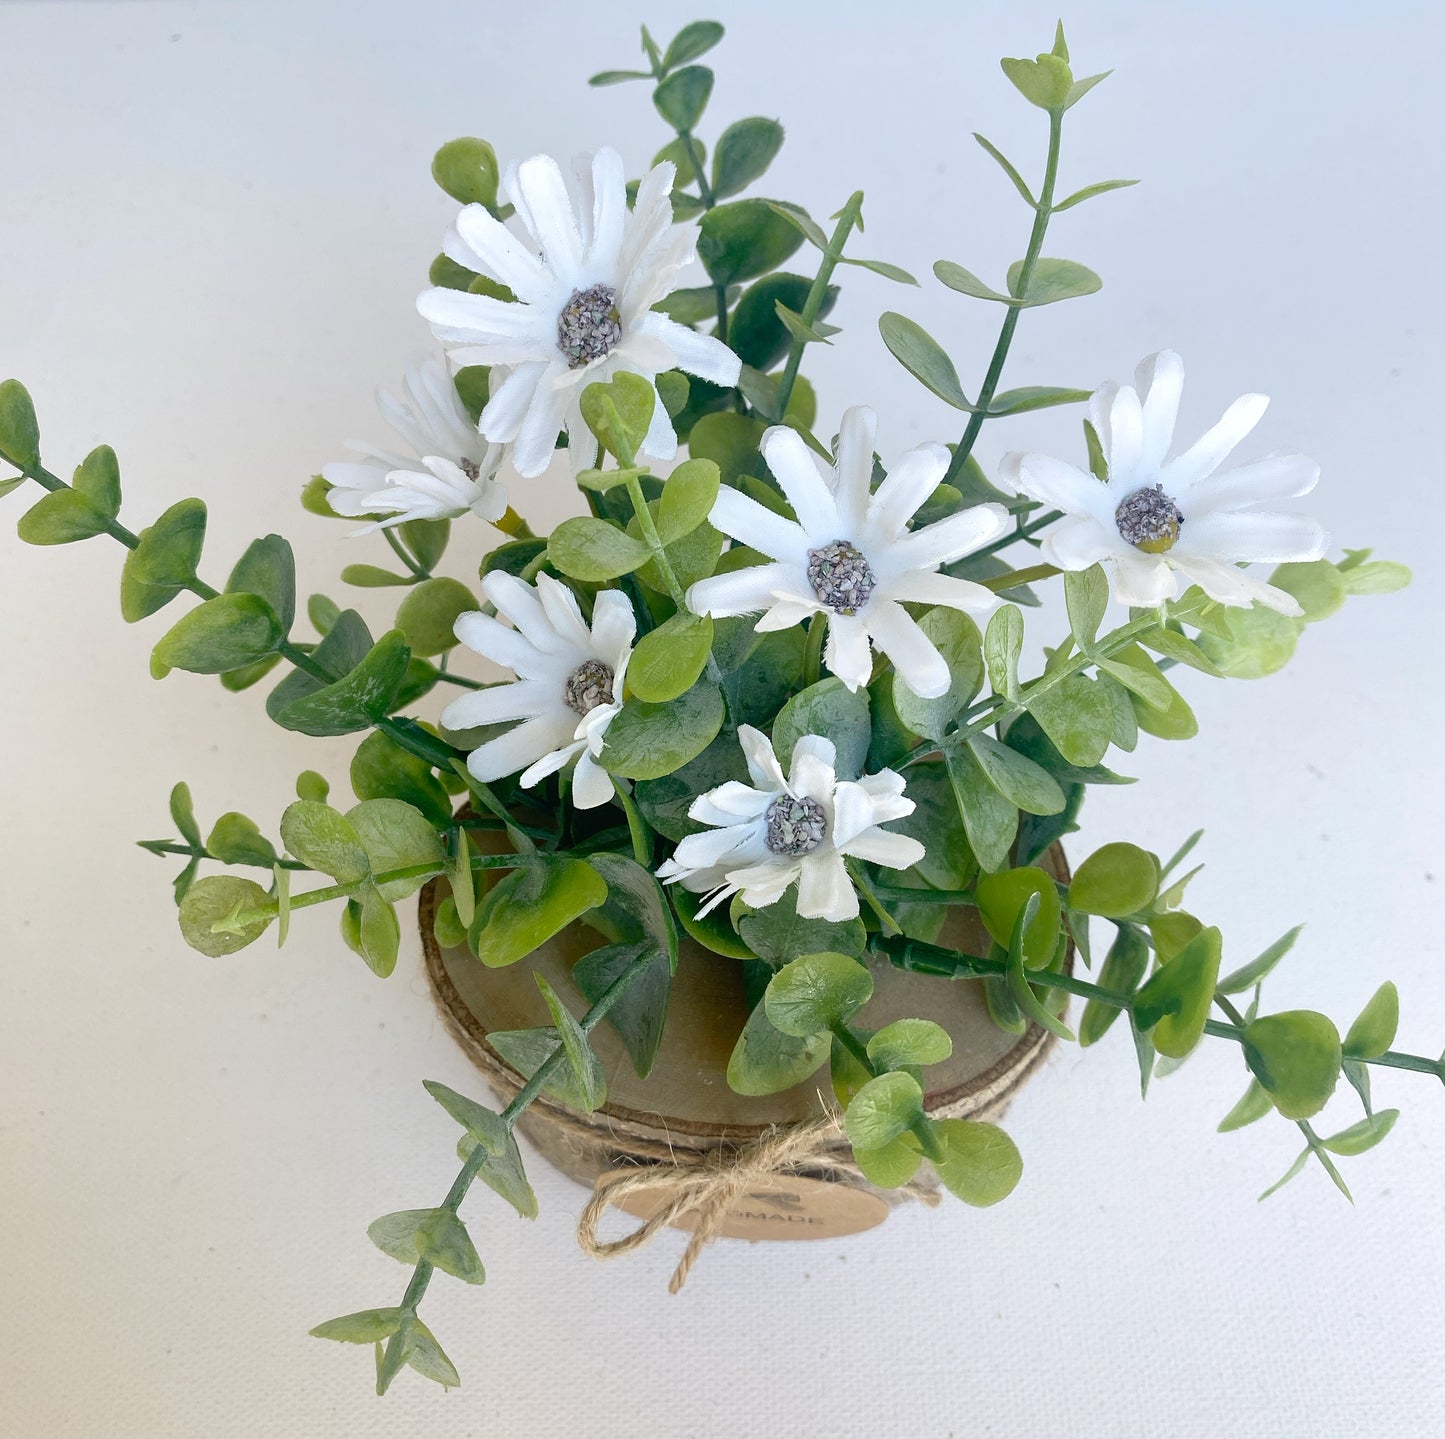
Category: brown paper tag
<point>787,1206</point>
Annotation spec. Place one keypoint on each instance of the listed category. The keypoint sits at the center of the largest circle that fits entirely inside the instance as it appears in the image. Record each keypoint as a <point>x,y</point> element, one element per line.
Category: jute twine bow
<point>707,1187</point>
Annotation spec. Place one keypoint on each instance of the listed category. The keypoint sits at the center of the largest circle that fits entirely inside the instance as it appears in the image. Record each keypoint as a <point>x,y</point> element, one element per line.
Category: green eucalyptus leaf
<point>990,820</point>
<point>1077,716</point>
<point>183,814</point>
<point>744,152</point>
<point>1374,1031</point>
<point>618,412</point>
<point>893,1164</point>
<point>668,660</point>
<point>830,709</point>
<point>815,992</point>
<point>1296,1056</point>
<point>646,741</point>
<point>367,1326</point>
<point>1261,641</point>
<point>967,283</point>
<point>1002,642</point>
<point>1034,397</point>
<point>1116,880</point>
<point>767,1061</point>
<point>980,1163</point>
<point>1363,1135</point>
<point>683,95</point>
<point>61,517</point>
<point>467,170</point>
<point>502,1169</point>
<point>1002,898</point>
<point>923,357</point>
<point>1175,1003</point>
<point>639,1014</point>
<point>19,430</point>
<point>1249,975</point>
<point>691,41</point>
<point>1045,82</point>
<point>209,913</point>
<point>1100,187</point>
<point>1086,593</point>
<point>688,495</point>
<point>396,836</point>
<point>356,701</point>
<point>324,839</point>
<point>1009,169</point>
<point>267,569</point>
<point>220,634</point>
<point>1124,966</point>
<point>381,769</point>
<point>536,900</point>
<point>586,1070</point>
<point>909,1042</point>
<point>1255,1104</point>
<point>778,933</point>
<point>235,839</point>
<point>882,1110</point>
<point>1026,785</point>
<point>1052,281</point>
<point>881,267</point>
<point>428,615</point>
<point>743,239</point>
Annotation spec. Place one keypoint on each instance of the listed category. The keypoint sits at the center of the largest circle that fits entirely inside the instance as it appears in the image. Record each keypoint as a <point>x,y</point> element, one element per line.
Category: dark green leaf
<point>647,741</point>
<point>683,96</point>
<point>883,1109</point>
<point>639,1014</point>
<point>356,701</point>
<point>502,1168</point>
<point>778,933</point>
<point>990,820</point>
<point>535,901</point>
<point>19,431</point>
<point>691,41</point>
<point>381,769</point>
<point>744,151</point>
<point>1026,785</point>
<point>744,239</point>
<point>767,1061</point>
<point>268,569</point>
<point>1124,966</point>
<point>586,1071</point>
<point>830,709</point>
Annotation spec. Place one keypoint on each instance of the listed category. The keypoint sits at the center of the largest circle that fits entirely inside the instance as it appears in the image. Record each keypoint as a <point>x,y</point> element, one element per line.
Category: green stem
<point>848,1037</point>
<point>916,957</point>
<point>641,835</point>
<point>421,1276</point>
<point>1014,578</point>
<point>813,649</point>
<point>653,541</point>
<point>404,555</point>
<point>162,846</point>
<point>991,378</point>
<point>847,219</point>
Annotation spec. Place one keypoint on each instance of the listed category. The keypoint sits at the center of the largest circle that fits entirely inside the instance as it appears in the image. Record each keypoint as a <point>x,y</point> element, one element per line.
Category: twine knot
<point>707,1187</point>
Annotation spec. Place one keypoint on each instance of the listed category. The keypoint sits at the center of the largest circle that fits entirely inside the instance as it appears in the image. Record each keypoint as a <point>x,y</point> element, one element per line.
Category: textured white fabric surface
<point>214,220</point>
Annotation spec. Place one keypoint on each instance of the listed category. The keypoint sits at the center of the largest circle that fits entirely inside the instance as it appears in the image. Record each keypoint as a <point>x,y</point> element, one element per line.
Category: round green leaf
<point>827,708</point>
<point>957,639</point>
<point>221,634</point>
<point>683,96</point>
<point>1175,1003</point>
<point>744,151</point>
<point>668,660</point>
<point>209,909</point>
<point>909,1041</point>
<point>428,614</point>
<point>882,1110</point>
<point>647,741</point>
<point>815,992</point>
<point>324,839</point>
<point>744,239</point>
<point>1296,1057</point>
<point>980,1163</point>
<point>467,170</point>
<point>618,413</point>
<point>687,498</point>
<point>593,550</point>
<point>767,1061</point>
<point>1374,1031</point>
<point>1001,898</point>
<point>1115,881</point>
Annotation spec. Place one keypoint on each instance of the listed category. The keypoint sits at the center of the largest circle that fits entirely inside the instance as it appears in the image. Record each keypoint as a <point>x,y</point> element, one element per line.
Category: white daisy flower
<point>1163,524</point>
<point>794,828</point>
<point>850,555</point>
<point>568,687</point>
<point>448,469</point>
<point>583,310</point>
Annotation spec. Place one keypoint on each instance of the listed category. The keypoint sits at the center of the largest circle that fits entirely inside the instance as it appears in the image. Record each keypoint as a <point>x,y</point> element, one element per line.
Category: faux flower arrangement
<point>769,699</point>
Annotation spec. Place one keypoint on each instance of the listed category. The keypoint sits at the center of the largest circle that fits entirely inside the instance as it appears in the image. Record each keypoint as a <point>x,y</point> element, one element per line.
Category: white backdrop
<point>213,222</point>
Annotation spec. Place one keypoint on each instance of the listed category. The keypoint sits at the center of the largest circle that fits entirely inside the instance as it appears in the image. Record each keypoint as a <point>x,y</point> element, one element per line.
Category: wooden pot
<point>685,1109</point>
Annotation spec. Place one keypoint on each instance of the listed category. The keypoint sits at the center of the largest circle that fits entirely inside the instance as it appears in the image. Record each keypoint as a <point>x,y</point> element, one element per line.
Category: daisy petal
<point>496,250</point>
<point>614,627</point>
<point>814,748</point>
<point>1233,587</point>
<point>742,517</point>
<point>929,587</point>
<point>785,613</point>
<point>539,192</point>
<point>1126,430</point>
<point>550,764</point>
<point>700,355</point>
<point>480,318</point>
<point>1278,477</point>
<point>519,747</point>
<point>1254,537</point>
<point>660,441</point>
<point>521,604</point>
<point>796,469</point>
<point>524,699</point>
<point>852,813</point>
<point>1057,483</point>
<point>857,434</point>
<point>564,614</point>
<point>1076,541</point>
<point>536,440</point>
<point>609,210</point>
<point>1208,452</point>
<point>905,488</point>
<point>591,784</point>
<point>914,656</point>
<point>848,653</point>
<point>812,774</point>
<point>489,637</point>
<point>763,767</point>
<point>951,539</point>
<point>1160,379</point>
<point>882,846</point>
<point>741,592</point>
<point>1141,579</point>
<point>824,889</point>
<point>1101,405</point>
<point>508,404</point>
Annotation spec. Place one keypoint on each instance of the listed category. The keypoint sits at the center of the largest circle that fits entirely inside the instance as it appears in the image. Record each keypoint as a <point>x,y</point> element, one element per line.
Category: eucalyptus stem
<point>848,217</point>
<point>1042,210</point>
<point>421,1276</point>
<point>1015,578</point>
<point>653,541</point>
<point>197,851</point>
<point>917,957</point>
<point>404,733</point>
<point>405,555</point>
